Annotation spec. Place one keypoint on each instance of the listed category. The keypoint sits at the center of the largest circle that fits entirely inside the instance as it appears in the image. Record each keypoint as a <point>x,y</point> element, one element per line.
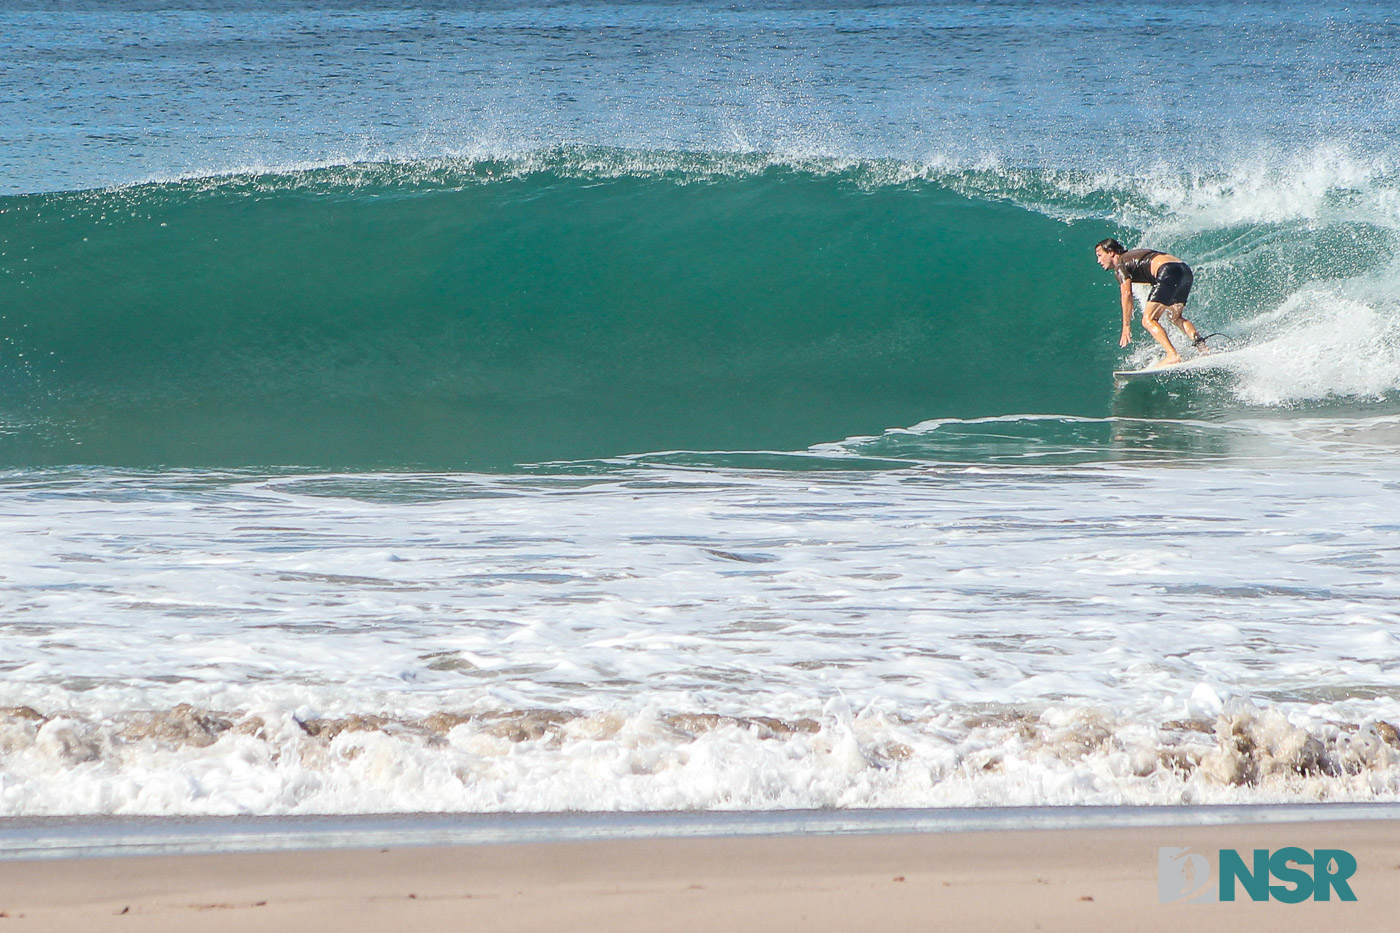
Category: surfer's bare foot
<point>1166,361</point>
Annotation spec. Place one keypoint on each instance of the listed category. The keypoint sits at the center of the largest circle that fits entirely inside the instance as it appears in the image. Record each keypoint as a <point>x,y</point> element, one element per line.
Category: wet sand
<point>1072,880</point>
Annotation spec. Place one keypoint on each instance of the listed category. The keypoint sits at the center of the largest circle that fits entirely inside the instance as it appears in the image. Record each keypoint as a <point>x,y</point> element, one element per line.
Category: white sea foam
<point>270,763</point>
<point>671,637</point>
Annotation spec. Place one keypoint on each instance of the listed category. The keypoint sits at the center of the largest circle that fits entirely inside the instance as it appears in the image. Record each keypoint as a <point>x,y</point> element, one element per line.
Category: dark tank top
<point>1136,265</point>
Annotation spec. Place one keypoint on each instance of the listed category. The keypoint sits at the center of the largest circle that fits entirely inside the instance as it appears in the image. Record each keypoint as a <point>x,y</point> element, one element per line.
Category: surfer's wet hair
<point>1110,245</point>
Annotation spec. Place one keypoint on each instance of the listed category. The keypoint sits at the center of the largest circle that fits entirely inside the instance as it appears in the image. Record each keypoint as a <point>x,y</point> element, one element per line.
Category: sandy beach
<point>998,880</point>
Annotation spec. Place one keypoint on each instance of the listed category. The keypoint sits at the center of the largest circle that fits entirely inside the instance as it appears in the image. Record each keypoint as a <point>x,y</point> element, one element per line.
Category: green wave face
<point>452,320</point>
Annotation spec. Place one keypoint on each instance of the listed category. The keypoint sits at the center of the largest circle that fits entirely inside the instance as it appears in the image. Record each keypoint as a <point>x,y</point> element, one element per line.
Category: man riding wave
<point>1170,279</point>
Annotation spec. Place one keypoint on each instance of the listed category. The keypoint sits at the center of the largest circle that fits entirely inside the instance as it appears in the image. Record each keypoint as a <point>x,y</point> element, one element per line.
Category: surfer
<point>1170,279</point>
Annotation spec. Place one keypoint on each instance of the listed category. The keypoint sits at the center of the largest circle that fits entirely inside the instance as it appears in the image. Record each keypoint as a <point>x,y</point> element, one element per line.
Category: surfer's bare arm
<point>1126,289</point>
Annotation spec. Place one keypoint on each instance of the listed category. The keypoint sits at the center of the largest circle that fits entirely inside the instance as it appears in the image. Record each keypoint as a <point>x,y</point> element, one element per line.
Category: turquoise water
<point>400,316</point>
<point>584,304</point>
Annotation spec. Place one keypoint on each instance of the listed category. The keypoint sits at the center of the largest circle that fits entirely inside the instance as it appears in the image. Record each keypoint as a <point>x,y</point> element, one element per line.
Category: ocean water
<point>625,406</point>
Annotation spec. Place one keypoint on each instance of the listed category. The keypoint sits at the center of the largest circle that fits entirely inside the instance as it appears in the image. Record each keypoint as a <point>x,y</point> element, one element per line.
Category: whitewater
<point>617,407</point>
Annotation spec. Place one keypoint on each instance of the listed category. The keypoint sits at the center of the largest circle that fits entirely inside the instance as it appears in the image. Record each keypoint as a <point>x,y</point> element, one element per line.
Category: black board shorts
<point>1173,284</point>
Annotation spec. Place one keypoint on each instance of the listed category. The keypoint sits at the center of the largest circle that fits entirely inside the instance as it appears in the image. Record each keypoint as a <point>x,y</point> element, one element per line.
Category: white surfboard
<point>1216,359</point>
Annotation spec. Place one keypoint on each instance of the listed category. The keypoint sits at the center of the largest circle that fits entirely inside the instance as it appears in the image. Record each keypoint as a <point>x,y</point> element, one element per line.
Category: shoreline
<point>991,879</point>
<point>83,836</point>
